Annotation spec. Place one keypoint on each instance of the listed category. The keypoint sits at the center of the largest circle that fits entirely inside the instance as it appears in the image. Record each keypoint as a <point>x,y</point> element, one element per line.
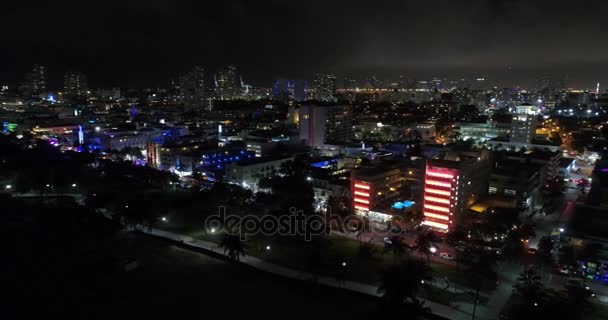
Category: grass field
<point>298,255</point>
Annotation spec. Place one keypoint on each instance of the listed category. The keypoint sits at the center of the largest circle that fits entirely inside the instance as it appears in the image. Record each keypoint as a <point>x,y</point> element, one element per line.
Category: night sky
<point>145,42</point>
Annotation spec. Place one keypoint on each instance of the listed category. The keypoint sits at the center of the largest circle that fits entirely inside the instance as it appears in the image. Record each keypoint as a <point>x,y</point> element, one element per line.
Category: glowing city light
<point>436,191</point>
<point>363,194</point>
<point>435,199</point>
<point>438,183</point>
<point>432,207</point>
<point>361,200</point>
<point>436,216</point>
<point>439,174</point>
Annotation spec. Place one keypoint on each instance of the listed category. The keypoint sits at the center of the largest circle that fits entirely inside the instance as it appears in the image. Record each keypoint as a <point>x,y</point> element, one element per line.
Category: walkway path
<point>460,312</point>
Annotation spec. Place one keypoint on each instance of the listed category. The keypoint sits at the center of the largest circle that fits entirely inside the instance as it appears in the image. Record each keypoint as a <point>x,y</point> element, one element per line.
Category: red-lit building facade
<point>373,190</point>
<point>441,186</point>
<point>451,187</point>
<point>361,195</point>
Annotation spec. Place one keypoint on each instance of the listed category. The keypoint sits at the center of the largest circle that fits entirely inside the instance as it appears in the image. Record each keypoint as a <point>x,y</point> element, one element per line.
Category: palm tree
<point>367,250</point>
<point>545,246</point>
<point>425,243</point>
<point>513,245</point>
<point>402,281</point>
<point>397,248</point>
<point>481,269</point>
<point>233,246</point>
<point>530,289</point>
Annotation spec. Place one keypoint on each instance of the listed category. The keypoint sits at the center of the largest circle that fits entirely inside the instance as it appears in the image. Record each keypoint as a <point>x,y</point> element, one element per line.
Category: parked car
<point>446,256</point>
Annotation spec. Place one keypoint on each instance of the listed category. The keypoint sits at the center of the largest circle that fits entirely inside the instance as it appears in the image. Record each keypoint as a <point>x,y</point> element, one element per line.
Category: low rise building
<point>248,173</point>
<point>517,183</point>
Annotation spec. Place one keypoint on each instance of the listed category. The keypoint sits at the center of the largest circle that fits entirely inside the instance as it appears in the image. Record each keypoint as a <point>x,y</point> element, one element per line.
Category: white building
<point>321,125</point>
<point>249,173</point>
<point>523,124</point>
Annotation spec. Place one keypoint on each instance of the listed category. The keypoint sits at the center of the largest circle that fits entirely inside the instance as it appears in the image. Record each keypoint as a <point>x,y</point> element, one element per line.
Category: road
<point>559,219</point>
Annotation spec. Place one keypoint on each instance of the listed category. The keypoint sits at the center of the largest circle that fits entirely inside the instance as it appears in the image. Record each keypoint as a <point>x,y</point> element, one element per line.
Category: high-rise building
<point>349,83</point>
<point>226,83</point>
<point>325,87</point>
<point>75,84</point>
<point>523,124</point>
<point>451,187</point>
<point>191,88</point>
<point>276,89</point>
<point>320,125</point>
<point>289,90</point>
<point>35,82</point>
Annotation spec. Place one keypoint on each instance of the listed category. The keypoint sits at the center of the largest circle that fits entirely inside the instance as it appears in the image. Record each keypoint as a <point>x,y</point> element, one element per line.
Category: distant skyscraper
<point>276,89</point>
<point>191,88</point>
<point>35,82</point>
<point>325,87</point>
<point>75,84</point>
<point>372,82</point>
<point>289,90</point>
<point>349,83</point>
<point>227,84</point>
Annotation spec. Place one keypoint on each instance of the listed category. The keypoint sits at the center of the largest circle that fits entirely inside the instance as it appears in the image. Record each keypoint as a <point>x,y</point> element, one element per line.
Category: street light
<point>8,186</point>
<point>212,230</point>
<point>267,248</point>
<point>561,230</point>
<point>164,219</point>
<point>73,185</point>
<point>344,264</point>
<point>433,249</point>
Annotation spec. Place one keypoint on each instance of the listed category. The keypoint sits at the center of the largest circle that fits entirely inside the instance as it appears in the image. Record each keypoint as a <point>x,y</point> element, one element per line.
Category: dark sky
<point>145,42</point>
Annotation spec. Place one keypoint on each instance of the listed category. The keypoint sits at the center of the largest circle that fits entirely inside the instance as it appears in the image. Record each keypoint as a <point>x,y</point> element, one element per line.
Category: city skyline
<point>148,43</point>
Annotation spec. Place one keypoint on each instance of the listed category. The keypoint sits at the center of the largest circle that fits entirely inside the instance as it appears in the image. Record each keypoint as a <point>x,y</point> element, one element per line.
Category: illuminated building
<point>320,125</point>
<point>290,90</point>
<point>450,188</point>
<point>480,132</point>
<point>247,173</point>
<point>35,82</point>
<point>523,125</point>
<point>75,84</point>
<point>226,83</point>
<point>375,190</point>
<point>152,154</point>
<point>325,87</point>
<point>191,88</point>
<point>441,192</point>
